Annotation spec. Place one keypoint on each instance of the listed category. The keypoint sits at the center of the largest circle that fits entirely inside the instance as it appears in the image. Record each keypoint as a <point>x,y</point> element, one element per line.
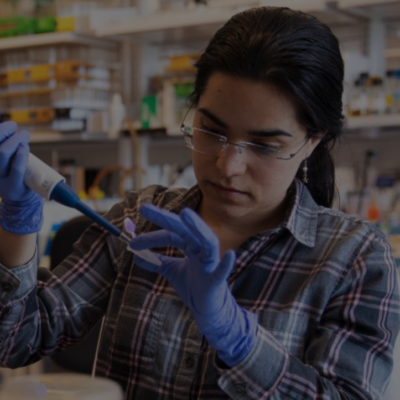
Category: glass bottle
<point>389,88</point>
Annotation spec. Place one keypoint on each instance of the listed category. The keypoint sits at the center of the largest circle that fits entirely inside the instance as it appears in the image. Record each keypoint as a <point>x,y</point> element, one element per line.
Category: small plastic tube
<point>147,255</point>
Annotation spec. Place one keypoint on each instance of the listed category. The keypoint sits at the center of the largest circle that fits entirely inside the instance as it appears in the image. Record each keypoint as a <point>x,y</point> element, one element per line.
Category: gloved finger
<point>203,233</point>
<point>8,149</point>
<point>225,267</point>
<point>169,221</point>
<point>20,163</point>
<point>14,140</point>
<point>7,129</point>
<point>148,266</point>
<point>159,238</point>
<point>169,267</point>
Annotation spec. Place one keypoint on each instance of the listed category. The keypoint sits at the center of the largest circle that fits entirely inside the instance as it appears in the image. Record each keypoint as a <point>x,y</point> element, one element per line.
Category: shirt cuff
<point>17,283</point>
<point>260,373</point>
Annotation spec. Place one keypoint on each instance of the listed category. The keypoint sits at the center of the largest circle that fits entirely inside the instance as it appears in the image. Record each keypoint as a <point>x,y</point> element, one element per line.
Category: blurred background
<point>102,87</point>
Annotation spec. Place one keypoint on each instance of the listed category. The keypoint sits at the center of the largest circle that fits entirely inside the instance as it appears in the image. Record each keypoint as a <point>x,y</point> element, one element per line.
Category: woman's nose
<point>231,160</point>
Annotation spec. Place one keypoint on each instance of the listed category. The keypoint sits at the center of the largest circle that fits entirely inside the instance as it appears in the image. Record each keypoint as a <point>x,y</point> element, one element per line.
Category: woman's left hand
<point>200,279</point>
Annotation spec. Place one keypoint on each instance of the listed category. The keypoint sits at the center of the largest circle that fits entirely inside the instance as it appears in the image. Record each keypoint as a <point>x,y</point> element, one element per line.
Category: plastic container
<point>377,98</point>
<point>45,25</point>
<point>390,86</point>
<point>117,115</point>
<point>15,26</point>
<point>396,94</point>
<point>148,6</point>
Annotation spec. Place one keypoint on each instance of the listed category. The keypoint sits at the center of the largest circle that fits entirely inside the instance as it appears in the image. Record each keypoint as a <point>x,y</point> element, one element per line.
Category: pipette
<point>52,186</point>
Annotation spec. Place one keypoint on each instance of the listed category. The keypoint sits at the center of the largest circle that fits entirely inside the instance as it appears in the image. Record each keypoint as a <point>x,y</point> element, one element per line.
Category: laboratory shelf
<point>304,5</point>
<point>46,39</point>
<point>201,21</point>
<point>392,52</point>
<point>364,3</point>
<point>170,25</point>
<point>50,136</point>
<point>324,10</point>
<point>373,121</point>
<point>389,9</point>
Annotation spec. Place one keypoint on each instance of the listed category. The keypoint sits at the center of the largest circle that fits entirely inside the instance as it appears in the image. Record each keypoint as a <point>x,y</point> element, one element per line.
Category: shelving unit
<point>182,26</point>
<point>364,3</point>
<point>325,10</point>
<point>90,150</point>
<point>370,8</point>
<point>176,28</point>
<point>373,121</point>
<point>200,22</point>
<point>49,71</point>
<point>169,26</point>
<point>58,137</point>
<point>46,39</point>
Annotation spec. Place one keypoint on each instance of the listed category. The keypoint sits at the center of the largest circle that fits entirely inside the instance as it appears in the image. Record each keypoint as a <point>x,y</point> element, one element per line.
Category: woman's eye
<point>266,149</point>
<point>212,130</point>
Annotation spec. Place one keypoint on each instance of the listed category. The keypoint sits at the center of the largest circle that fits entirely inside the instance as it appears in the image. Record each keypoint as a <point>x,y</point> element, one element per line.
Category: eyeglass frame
<point>225,142</point>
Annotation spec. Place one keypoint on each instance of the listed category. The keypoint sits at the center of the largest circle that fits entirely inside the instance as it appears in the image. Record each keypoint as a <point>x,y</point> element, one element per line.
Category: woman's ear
<point>315,140</point>
<point>312,143</point>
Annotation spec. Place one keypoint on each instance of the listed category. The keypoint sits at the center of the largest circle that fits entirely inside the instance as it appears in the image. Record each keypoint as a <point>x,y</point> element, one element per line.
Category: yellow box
<point>38,116</point>
<point>3,79</point>
<point>40,73</point>
<point>65,24</point>
<point>21,116</point>
<point>67,70</point>
<point>44,115</point>
<point>183,62</point>
<point>17,76</point>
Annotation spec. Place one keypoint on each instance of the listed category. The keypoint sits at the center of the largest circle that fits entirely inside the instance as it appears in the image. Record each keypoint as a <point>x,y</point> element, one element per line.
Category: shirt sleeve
<point>15,284</point>
<point>44,311</point>
<point>350,353</point>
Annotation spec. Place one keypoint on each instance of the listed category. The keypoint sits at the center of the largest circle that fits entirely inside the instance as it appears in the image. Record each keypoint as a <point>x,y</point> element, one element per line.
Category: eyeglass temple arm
<point>291,155</point>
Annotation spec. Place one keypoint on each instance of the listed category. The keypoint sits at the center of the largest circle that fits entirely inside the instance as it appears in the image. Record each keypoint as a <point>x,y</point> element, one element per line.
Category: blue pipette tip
<point>63,194</point>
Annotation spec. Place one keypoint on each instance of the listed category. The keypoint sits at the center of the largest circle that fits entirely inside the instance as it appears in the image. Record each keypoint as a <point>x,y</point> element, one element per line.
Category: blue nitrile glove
<point>21,209</point>
<point>200,279</point>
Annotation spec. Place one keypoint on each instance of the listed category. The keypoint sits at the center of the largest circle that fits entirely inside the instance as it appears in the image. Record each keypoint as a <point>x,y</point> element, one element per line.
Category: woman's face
<point>247,186</point>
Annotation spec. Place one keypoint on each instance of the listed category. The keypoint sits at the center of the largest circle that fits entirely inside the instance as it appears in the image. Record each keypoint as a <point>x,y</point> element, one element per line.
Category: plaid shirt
<point>323,285</point>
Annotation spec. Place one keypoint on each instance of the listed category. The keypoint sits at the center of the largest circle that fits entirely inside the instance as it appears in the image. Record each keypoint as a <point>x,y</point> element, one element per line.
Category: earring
<point>305,169</point>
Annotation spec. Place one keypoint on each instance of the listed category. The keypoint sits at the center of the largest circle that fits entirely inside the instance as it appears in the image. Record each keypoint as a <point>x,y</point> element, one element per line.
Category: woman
<point>275,295</point>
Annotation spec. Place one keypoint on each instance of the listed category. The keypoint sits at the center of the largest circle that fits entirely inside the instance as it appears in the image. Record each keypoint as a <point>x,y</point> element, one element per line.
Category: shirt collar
<point>301,219</point>
<point>190,198</point>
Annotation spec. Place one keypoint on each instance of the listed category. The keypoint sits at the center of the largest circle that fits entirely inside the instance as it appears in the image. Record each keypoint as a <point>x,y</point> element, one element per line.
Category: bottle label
<point>40,177</point>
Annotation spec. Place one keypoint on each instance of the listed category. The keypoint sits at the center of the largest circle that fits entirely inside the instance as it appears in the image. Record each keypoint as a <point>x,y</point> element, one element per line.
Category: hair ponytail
<point>321,175</point>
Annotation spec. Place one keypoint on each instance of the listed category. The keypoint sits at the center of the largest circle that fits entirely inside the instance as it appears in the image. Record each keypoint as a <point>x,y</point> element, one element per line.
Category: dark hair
<point>301,56</point>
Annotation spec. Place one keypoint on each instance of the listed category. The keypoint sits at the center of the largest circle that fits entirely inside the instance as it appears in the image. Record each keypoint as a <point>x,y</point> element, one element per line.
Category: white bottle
<point>40,177</point>
<point>117,115</point>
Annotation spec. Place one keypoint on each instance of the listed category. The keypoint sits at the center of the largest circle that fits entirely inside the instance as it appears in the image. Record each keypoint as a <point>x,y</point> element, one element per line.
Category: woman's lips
<point>226,191</point>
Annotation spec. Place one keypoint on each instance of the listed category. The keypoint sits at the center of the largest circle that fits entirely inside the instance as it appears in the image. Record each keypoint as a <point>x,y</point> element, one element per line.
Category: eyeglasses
<point>212,144</point>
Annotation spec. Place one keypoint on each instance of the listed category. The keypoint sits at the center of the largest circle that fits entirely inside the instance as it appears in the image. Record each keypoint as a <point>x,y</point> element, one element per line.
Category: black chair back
<point>80,357</point>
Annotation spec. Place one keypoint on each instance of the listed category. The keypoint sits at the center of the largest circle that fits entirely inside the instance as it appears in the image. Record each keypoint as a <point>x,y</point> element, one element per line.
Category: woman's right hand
<point>14,153</point>
<point>21,209</point>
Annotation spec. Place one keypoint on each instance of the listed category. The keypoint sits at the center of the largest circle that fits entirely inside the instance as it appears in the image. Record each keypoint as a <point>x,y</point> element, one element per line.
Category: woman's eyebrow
<point>212,117</point>
<point>257,133</point>
<point>269,133</point>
